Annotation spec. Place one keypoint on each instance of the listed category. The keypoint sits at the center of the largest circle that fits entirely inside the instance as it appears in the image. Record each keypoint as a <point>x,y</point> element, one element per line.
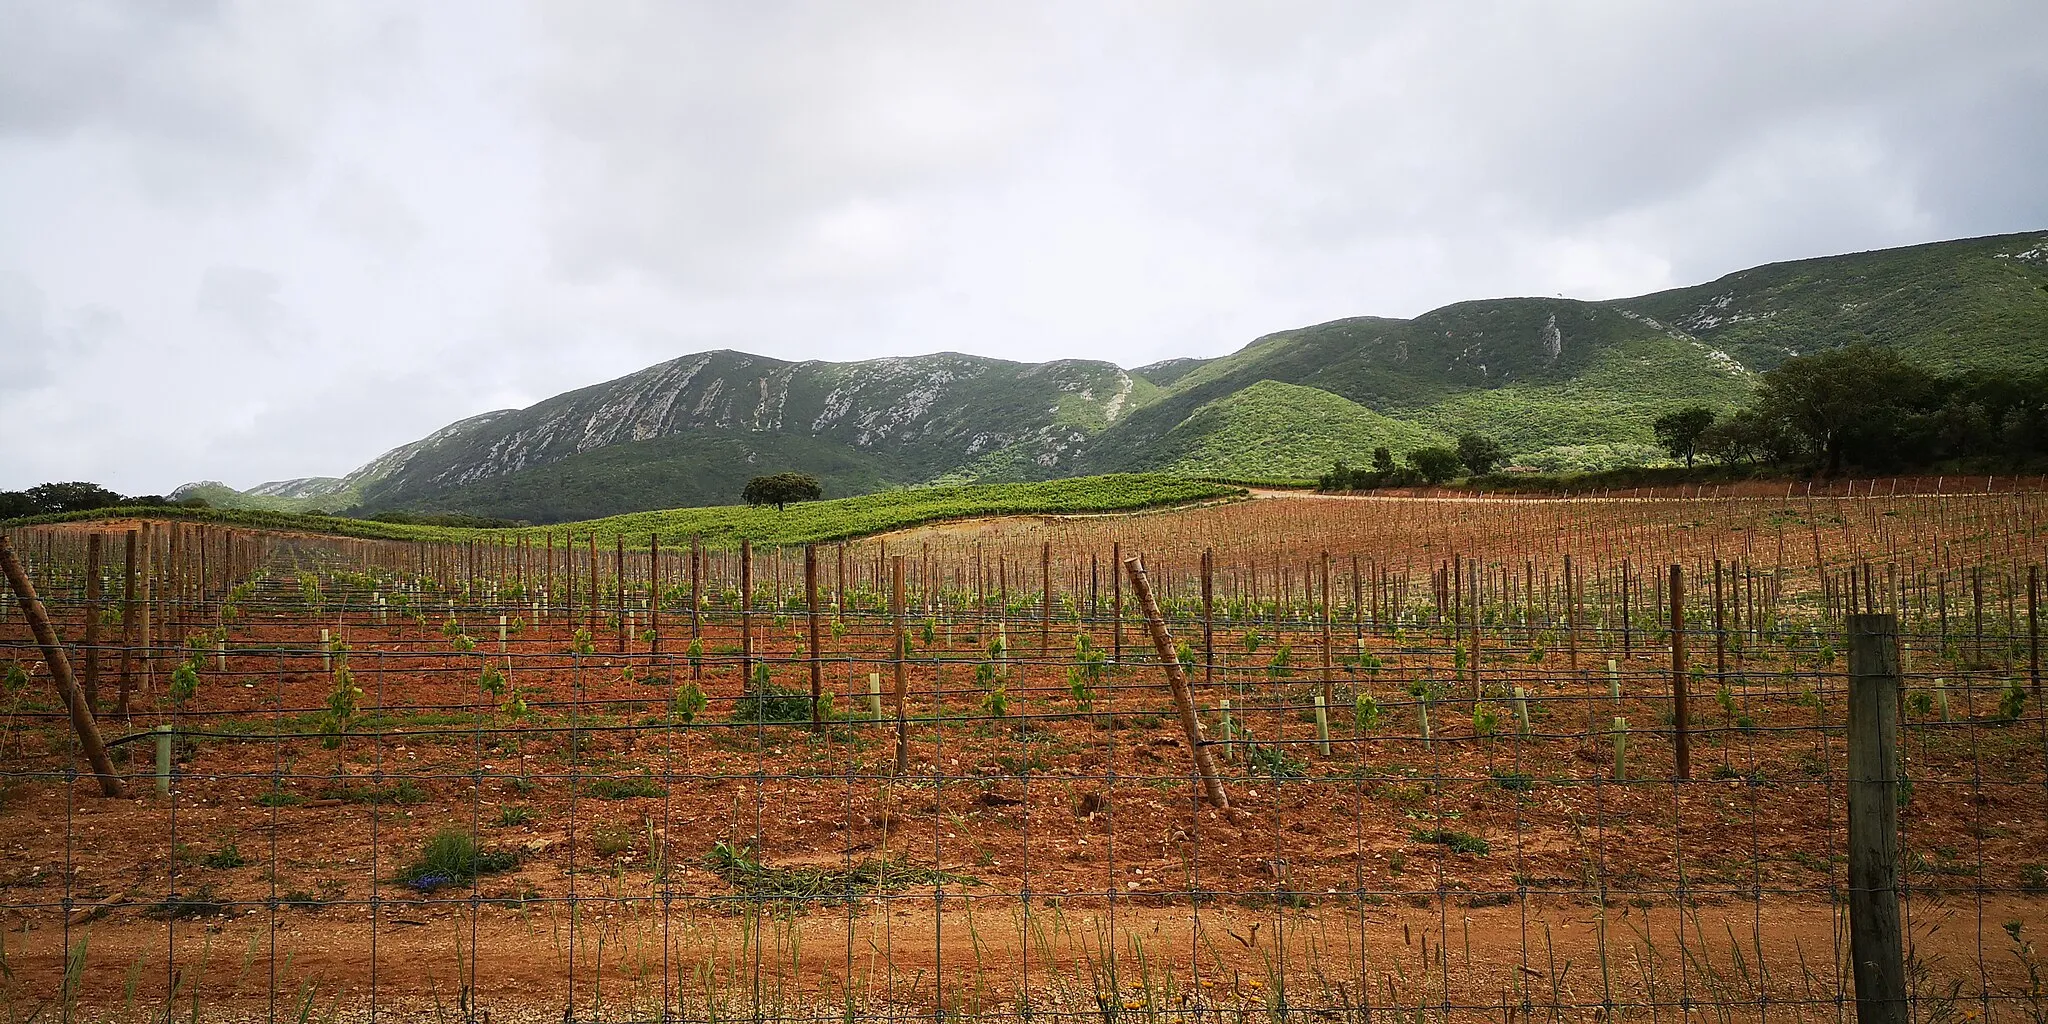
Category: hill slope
<point>1562,383</point>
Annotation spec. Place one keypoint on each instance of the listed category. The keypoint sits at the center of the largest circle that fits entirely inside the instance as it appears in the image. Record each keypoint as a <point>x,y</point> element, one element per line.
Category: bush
<point>450,858</point>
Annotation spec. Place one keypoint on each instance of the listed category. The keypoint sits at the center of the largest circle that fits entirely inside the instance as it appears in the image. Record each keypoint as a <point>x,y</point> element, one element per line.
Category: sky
<point>245,241</point>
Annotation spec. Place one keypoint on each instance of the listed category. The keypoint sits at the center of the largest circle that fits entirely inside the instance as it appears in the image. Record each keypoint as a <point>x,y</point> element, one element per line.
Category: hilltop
<point>1563,384</point>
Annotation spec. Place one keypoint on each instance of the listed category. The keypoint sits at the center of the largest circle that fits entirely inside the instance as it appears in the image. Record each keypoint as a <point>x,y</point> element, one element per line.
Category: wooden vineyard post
<point>1045,600</point>
<point>592,539</point>
<point>1472,579</point>
<point>1875,942</point>
<point>147,610</point>
<point>1329,694</point>
<point>654,593</point>
<point>746,616</point>
<point>2034,627</point>
<point>60,670</point>
<point>1681,711</point>
<point>1177,681</point>
<point>128,613</point>
<point>696,606</point>
<point>619,578</point>
<point>1116,598</point>
<point>899,655</point>
<point>817,665</point>
<point>1720,629</point>
<point>1209,616</point>
<point>92,621</point>
<point>1571,618</point>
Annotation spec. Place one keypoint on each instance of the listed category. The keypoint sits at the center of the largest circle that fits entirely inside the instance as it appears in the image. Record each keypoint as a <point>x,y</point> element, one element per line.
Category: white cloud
<point>279,238</point>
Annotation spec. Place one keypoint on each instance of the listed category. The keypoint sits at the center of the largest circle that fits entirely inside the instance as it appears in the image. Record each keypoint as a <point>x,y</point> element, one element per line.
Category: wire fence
<point>429,780</point>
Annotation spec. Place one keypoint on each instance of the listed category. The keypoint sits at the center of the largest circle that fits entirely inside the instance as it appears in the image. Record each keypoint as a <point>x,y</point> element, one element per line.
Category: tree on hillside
<point>1383,460</point>
<point>1480,453</point>
<point>1850,404</point>
<point>781,489</point>
<point>1679,431</point>
<point>1437,465</point>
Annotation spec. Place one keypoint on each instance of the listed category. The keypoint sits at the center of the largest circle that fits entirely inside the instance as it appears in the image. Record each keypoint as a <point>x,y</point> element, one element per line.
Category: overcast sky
<point>245,241</point>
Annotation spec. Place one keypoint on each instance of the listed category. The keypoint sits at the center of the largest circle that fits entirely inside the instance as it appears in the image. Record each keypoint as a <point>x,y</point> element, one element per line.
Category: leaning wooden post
<point>1875,942</point>
<point>817,666</point>
<point>1177,681</point>
<point>92,621</point>
<point>60,670</point>
<point>900,655</point>
<point>1681,710</point>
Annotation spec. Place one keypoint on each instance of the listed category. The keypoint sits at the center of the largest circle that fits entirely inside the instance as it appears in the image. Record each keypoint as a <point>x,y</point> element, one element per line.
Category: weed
<point>1458,842</point>
<point>742,869</point>
<point>450,858</point>
<point>225,857</point>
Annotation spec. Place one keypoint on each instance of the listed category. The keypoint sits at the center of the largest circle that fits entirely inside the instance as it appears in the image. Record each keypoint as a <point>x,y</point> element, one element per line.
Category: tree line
<point>78,496</point>
<point>1869,410</point>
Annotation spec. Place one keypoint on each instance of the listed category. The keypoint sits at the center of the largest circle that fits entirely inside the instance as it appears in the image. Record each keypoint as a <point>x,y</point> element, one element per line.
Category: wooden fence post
<point>1208,615</point>
<point>817,665</point>
<point>899,656</point>
<point>1876,946</point>
<point>92,621</point>
<point>1177,681</point>
<point>1681,706</point>
<point>129,609</point>
<point>654,593</point>
<point>60,670</point>
<point>746,616</point>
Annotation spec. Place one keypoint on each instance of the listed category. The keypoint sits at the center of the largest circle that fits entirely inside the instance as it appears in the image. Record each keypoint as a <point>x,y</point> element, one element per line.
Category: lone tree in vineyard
<point>781,489</point>
<point>1480,453</point>
<point>1679,431</point>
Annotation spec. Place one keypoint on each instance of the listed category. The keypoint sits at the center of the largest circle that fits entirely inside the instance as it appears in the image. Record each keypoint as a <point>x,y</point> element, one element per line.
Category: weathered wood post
<point>746,616</point>
<point>2034,627</point>
<point>91,640</point>
<point>619,578</point>
<point>1208,615</point>
<point>1875,942</point>
<point>1681,704</point>
<point>1177,681</point>
<point>696,603</point>
<point>129,609</point>
<point>1045,600</point>
<point>60,670</point>
<point>1116,597</point>
<point>899,655</point>
<point>1329,692</point>
<point>817,663</point>
<point>654,593</point>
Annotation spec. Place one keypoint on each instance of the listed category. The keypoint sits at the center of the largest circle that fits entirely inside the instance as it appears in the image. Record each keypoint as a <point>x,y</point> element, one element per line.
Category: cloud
<point>346,223</point>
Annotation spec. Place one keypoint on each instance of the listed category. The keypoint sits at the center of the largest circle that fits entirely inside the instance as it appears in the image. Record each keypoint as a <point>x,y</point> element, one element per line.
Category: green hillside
<point>725,525</point>
<point>1563,384</point>
<point>679,471</point>
<point>1272,429</point>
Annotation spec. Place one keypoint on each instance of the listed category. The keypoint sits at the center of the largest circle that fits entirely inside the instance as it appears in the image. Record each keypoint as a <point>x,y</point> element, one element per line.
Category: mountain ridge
<point>1563,383</point>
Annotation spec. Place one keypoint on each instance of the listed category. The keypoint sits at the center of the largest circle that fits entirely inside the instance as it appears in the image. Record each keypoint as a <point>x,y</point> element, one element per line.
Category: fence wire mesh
<point>555,776</point>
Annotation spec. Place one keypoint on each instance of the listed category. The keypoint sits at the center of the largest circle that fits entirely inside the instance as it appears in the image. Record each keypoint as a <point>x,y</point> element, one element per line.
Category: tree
<point>1679,431</point>
<point>782,488</point>
<point>1383,460</point>
<point>1437,465</point>
<point>76,496</point>
<point>1848,404</point>
<point>1479,453</point>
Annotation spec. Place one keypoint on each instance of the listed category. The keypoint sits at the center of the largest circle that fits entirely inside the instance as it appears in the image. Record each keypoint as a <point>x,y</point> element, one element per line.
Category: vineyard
<point>1427,758</point>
